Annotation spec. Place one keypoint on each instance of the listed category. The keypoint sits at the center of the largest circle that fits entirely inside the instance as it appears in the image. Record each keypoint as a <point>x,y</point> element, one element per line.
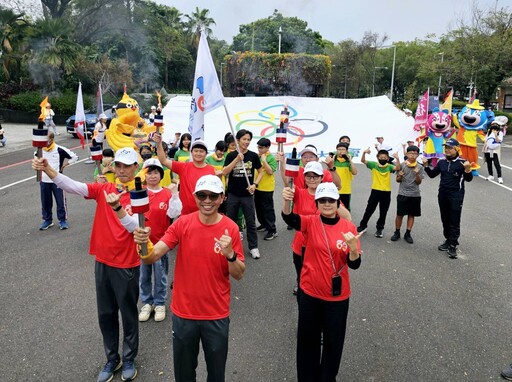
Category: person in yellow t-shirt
<point>264,194</point>
<point>346,171</point>
<point>381,189</point>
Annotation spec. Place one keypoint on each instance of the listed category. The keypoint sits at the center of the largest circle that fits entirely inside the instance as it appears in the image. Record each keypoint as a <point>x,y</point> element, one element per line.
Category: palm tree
<point>12,27</point>
<point>197,21</point>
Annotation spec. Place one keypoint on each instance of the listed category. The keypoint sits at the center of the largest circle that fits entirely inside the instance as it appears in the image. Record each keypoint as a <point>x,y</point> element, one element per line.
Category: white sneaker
<point>145,312</point>
<point>255,253</point>
<point>159,313</point>
<point>490,177</point>
<point>500,180</point>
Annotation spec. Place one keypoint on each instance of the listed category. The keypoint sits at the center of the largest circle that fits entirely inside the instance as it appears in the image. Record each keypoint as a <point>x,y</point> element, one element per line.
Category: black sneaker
<point>260,228</point>
<point>444,246</point>
<point>452,252</point>
<point>408,238</point>
<point>395,236</point>
<point>270,236</point>
<point>289,228</point>
<point>378,233</point>
<point>360,229</point>
<point>295,290</point>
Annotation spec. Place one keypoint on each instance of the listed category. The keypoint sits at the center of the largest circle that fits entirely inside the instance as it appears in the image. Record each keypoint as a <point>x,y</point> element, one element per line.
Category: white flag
<point>99,102</point>
<point>206,93</point>
<point>80,115</point>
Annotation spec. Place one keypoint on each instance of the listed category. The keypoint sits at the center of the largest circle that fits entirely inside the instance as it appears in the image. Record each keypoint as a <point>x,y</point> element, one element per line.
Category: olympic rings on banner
<point>269,117</point>
<point>280,106</point>
<point>298,133</point>
<point>324,128</point>
<point>245,121</point>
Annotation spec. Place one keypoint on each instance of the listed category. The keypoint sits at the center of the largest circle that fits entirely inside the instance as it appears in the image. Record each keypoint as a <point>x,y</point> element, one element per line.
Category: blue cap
<point>451,142</point>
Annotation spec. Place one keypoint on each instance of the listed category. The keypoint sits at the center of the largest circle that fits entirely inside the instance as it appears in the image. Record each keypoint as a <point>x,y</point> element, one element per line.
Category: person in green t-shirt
<point>346,171</point>
<point>381,189</point>
<point>264,194</point>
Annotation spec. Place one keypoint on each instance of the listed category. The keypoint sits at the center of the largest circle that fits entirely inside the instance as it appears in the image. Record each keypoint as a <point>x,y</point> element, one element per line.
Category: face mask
<point>146,156</point>
<point>382,162</point>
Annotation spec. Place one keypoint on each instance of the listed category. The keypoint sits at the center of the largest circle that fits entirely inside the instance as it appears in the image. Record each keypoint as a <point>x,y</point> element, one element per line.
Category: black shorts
<point>408,205</point>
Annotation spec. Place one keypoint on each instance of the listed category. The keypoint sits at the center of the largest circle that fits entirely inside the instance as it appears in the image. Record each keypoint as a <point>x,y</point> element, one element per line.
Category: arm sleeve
<point>353,264</point>
<point>175,206</point>
<point>130,223</point>
<point>293,220</point>
<point>72,186</point>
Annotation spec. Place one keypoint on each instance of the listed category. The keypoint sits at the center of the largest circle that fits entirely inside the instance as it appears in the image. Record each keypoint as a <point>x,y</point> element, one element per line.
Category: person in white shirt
<point>99,131</point>
<point>491,150</point>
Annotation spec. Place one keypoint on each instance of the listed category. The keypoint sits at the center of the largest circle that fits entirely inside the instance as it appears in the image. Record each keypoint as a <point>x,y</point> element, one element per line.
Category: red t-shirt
<point>303,204</point>
<point>300,182</point>
<point>189,175</point>
<point>110,242</point>
<point>201,274</point>
<point>317,269</point>
<point>156,217</point>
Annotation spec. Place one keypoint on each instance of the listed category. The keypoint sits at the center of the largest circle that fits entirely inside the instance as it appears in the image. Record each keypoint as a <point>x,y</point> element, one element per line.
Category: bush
<point>65,104</point>
<point>9,89</point>
<point>28,101</point>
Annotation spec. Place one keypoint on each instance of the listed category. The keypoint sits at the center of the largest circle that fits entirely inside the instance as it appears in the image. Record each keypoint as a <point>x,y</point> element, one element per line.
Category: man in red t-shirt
<point>189,172</point>
<point>201,294</point>
<point>117,263</point>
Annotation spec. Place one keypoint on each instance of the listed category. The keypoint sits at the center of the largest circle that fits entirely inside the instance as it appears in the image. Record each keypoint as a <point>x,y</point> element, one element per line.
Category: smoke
<point>43,75</point>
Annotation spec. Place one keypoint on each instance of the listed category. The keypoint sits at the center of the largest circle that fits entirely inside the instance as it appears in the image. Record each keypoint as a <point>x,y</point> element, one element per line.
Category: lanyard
<point>336,272</point>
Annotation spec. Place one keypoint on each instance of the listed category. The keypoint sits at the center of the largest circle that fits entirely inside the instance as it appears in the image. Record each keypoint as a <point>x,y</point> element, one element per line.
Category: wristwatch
<point>332,169</point>
<point>233,259</point>
<point>117,208</point>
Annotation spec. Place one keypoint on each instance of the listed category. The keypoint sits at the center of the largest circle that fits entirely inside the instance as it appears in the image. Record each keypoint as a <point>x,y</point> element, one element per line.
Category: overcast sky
<point>336,20</point>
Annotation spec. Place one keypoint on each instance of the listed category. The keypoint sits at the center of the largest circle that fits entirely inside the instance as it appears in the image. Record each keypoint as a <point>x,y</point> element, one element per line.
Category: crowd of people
<point>221,195</point>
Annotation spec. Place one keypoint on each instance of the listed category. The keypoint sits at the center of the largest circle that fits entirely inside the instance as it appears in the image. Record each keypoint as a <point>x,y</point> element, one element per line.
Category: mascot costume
<point>124,130</point>
<point>437,130</point>
<point>471,122</point>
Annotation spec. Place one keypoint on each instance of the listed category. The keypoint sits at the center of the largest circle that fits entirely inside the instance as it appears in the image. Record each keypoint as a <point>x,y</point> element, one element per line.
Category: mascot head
<point>439,122</point>
<point>473,116</point>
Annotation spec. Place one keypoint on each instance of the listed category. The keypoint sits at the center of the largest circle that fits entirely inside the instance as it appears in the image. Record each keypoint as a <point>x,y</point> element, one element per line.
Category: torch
<point>39,140</point>
<point>140,203</point>
<point>158,122</point>
<point>292,167</point>
<point>281,131</point>
<point>97,156</point>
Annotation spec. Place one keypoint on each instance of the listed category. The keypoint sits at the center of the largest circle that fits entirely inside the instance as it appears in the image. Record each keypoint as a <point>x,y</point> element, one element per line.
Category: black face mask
<point>383,161</point>
<point>146,156</point>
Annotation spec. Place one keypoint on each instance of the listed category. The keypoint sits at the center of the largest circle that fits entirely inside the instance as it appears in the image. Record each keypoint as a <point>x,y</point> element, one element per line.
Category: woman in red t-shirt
<point>331,247</point>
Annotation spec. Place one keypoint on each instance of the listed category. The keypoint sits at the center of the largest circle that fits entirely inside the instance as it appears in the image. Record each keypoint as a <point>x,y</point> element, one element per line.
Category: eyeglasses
<point>203,195</point>
<point>326,200</point>
<point>312,177</point>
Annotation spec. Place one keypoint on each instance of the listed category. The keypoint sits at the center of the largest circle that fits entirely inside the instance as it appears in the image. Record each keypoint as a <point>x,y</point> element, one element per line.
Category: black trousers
<point>383,200</point>
<point>214,336</point>
<point>490,160</point>
<point>117,290</point>
<point>450,205</point>
<point>234,202</point>
<point>345,199</point>
<point>317,362</point>
<point>264,203</point>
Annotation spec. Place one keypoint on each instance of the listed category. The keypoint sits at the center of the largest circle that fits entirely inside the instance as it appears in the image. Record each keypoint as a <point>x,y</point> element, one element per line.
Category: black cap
<point>264,142</point>
<point>452,142</point>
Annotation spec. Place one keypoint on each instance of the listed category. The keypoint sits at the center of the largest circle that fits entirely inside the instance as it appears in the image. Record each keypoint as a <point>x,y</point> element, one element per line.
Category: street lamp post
<point>374,68</point>
<point>393,70</point>
<point>439,85</point>
<point>280,33</point>
<point>345,86</point>
<point>221,73</point>
<point>329,82</point>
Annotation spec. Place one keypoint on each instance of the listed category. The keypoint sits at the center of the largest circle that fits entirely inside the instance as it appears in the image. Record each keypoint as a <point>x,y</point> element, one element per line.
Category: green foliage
<point>28,101</point>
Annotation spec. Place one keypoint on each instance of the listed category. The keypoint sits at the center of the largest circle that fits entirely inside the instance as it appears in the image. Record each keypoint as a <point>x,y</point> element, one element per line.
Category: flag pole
<point>237,145</point>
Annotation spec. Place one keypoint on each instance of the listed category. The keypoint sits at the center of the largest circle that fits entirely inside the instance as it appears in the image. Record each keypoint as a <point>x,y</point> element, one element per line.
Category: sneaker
<point>360,229</point>
<point>255,253</point>
<point>289,228</point>
<point>129,371</point>
<point>378,233</point>
<point>444,246</point>
<point>295,290</point>
<point>500,180</point>
<point>408,238</point>
<point>490,177</point>
<point>260,228</point>
<point>145,312</point>
<point>241,236</point>
<point>63,225</point>
<point>159,313</point>
<point>507,373</point>
<point>45,225</point>
<point>395,236</point>
<point>452,252</point>
<point>108,371</point>
<point>270,236</point>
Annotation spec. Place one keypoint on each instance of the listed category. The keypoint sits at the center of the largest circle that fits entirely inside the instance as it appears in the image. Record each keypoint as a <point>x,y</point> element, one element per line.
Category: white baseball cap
<point>152,162</point>
<point>327,190</point>
<point>102,116</point>
<point>200,144</point>
<point>209,183</point>
<point>315,167</point>
<point>309,149</point>
<point>153,107</point>
<point>126,155</point>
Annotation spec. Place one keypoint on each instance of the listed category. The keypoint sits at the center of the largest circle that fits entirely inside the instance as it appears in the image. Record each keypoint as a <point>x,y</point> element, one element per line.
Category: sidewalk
<point>19,136</point>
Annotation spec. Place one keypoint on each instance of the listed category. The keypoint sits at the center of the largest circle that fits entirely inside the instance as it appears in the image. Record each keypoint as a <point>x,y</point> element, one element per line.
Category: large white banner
<point>317,121</point>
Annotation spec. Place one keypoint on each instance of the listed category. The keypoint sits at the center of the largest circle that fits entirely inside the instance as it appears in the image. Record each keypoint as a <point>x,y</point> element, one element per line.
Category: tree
<point>197,21</point>
<point>13,28</point>
<point>55,9</point>
<point>263,36</point>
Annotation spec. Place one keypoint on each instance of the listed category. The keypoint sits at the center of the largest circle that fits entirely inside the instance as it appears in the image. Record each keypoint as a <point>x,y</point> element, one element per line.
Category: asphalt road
<point>415,314</point>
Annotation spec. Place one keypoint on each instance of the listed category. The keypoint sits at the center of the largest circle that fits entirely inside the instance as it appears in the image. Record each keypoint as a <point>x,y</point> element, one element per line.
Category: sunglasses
<point>312,177</point>
<point>203,195</point>
<point>326,200</point>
